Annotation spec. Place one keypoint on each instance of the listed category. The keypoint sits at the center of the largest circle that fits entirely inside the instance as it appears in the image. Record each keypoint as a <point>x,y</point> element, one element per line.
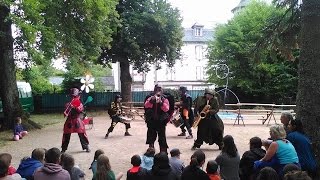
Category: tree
<point>47,29</point>
<point>308,102</point>
<point>254,71</point>
<point>150,32</point>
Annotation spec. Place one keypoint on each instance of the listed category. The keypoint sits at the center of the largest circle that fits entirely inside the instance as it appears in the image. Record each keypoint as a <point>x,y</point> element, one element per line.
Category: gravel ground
<point>120,148</point>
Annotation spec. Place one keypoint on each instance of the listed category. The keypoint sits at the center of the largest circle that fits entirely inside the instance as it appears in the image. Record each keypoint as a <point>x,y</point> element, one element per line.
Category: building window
<point>199,73</point>
<point>198,51</point>
<point>197,32</point>
<point>171,74</point>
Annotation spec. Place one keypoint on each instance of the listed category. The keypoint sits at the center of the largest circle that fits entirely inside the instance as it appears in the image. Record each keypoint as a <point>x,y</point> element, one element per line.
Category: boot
<point>151,145</point>
<point>163,150</point>
<point>106,136</point>
<point>127,134</point>
<point>189,137</point>
<point>182,134</point>
<point>88,149</point>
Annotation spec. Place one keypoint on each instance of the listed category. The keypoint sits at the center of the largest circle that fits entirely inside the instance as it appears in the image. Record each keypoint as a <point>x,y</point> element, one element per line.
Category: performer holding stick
<point>210,125</point>
<point>115,113</point>
<point>74,124</point>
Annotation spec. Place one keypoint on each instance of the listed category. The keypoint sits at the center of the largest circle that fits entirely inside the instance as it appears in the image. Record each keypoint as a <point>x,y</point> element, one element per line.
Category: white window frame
<point>199,52</point>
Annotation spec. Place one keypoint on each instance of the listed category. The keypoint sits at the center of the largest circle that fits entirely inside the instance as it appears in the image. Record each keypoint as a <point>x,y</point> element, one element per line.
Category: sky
<point>205,12</point>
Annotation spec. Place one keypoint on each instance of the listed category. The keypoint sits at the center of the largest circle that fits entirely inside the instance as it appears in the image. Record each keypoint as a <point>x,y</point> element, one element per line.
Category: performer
<point>115,112</point>
<point>210,128</point>
<point>156,116</point>
<point>73,123</point>
<point>185,106</point>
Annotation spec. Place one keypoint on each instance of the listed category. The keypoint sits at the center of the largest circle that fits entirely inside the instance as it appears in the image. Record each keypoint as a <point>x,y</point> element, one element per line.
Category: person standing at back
<point>185,106</point>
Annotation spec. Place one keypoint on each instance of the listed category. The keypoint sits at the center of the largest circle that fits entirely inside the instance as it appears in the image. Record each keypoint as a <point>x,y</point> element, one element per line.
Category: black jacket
<point>246,170</point>
<point>161,174</point>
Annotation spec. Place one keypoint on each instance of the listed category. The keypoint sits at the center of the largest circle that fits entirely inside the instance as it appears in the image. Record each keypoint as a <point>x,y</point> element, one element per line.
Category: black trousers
<point>187,124</point>
<point>83,140</point>
<point>159,131</point>
<point>114,122</point>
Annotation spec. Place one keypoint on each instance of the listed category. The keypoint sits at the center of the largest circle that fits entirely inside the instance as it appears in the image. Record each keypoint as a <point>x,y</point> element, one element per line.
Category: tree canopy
<point>256,71</point>
<point>150,31</point>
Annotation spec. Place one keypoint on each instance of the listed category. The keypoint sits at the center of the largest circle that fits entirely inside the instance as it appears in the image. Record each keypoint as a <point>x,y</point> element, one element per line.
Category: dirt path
<point>120,148</point>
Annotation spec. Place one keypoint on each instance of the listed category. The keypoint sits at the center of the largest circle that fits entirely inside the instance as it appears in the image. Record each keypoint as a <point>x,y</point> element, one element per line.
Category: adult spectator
<point>28,166</point>
<point>246,167</point>
<point>302,145</point>
<point>5,161</point>
<point>175,162</point>
<point>136,172</point>
<point>161,169</point>
<point>229,159</point>
<point>285,118</point>
<point>52,170</point>
<point>268,173</point>
<point>193,171</point>
<point>280,152</point>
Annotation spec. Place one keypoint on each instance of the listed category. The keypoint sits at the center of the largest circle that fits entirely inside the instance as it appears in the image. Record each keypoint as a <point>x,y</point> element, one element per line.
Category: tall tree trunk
<point>126,80</point>
<point>9,91</point>
<point>308,97</point>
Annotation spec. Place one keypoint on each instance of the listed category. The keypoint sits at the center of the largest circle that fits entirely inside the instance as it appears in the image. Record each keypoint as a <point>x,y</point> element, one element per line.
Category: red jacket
<point>73,123</point>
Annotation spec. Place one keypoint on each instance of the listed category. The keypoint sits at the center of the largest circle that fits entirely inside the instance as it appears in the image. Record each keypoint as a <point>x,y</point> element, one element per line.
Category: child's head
<point>295,175</point>
<point>103,163</point>
<point>290,167</point>
<point>212,167</point>
<point>161,161</point>
<point>198,158</point>
<point>150,152</point>
<point>67,161</point>
<point>135,160</point>
<point>18,120</point>
<point>97,154</point>
<point>53,155</point>
<point>5,161</point>
<point>267,173</point>
<point>38,154</point>
<point>255,142</point>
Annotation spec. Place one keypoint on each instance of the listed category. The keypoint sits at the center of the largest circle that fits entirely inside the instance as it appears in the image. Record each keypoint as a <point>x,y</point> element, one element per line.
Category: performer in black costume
<point>185,106</point>
<point>210,129</point>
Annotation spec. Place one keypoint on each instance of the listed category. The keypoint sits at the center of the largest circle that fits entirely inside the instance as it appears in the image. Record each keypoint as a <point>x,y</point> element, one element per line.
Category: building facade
<point>189,71</point>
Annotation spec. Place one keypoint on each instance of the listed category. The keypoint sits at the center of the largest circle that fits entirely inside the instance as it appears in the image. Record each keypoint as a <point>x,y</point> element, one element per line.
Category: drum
<point>176,119</point>
<point>125,119</point>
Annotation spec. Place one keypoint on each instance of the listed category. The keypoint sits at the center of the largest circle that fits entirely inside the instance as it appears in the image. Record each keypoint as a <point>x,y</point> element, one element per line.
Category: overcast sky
<point>206,12</point>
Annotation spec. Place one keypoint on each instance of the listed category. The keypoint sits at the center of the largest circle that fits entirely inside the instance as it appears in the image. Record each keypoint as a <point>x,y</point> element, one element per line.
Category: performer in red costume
<point>73,123</point>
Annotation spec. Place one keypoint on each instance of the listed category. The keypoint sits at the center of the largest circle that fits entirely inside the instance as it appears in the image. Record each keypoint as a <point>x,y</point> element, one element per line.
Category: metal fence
<point>53,102</point>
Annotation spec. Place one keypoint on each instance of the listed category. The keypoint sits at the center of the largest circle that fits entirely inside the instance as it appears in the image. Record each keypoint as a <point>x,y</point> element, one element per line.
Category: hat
<point>175,152</point>
<point>209,91</point>
<point>157,87</point>
<point>74,92</point>
<point>183,89</point>
<point>118,96</point>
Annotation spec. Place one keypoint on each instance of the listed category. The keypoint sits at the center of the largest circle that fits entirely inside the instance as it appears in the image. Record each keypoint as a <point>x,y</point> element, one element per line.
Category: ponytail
<point>194,162</point>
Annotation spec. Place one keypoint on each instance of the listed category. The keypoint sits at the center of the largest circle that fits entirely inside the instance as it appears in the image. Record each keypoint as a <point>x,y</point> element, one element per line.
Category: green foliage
<point>38,81</point>
<point>255,71</point>
<point>150,32</point>
<point>77,29</point>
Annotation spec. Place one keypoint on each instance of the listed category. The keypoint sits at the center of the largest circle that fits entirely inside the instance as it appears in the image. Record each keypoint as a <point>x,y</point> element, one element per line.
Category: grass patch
<point>5,137</point>
<point>47,119</point>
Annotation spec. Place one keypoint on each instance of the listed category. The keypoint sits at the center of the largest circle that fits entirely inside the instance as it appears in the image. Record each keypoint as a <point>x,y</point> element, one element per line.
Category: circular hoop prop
<point>222,71</point>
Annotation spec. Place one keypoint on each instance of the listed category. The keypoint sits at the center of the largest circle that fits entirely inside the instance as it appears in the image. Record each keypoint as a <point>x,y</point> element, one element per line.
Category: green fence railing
<point>100,99</point>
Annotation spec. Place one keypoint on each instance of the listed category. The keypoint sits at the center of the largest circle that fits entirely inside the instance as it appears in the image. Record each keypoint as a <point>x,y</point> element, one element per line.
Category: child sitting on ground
<point>136,172</point>
<point>67,163</point>
<point>93,166</point>
<point>147,158</point>
<point>212,170</point>
<point>18,131</point>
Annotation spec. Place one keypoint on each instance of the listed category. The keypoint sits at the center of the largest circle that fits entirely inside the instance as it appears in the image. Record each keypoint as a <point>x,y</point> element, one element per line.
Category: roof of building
<point>207,35</point>
<point>242,4</point>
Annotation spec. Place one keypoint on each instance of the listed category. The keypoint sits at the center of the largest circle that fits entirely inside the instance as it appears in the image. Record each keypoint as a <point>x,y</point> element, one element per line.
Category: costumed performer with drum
<point>185,107</point>
<point>210,125</point>
<point>74,124</point>
<point>115,113</point>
